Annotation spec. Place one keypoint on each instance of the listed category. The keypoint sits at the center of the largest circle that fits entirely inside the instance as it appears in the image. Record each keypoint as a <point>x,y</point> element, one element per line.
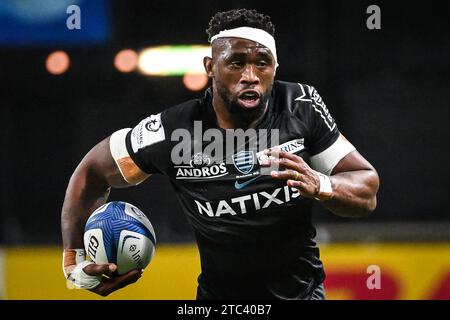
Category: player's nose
<point>249,75</point>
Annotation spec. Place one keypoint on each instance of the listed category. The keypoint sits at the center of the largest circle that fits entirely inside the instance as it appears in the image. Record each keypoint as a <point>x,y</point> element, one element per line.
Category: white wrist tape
<point>325,188</point>
<point>80,279</point>
<point>72,257</point>
<point>74,260</point>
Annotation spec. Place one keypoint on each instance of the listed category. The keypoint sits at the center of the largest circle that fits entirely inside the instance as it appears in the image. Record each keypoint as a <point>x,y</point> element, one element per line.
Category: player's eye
<point>237,64</point>
<point>262,64</point>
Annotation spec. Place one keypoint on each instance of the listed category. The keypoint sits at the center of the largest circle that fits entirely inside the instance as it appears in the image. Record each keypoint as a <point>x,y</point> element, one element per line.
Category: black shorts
<point>256,288</point>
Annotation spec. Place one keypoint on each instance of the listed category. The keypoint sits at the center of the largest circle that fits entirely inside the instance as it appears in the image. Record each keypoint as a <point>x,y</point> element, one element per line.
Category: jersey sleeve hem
<point>149,169</point>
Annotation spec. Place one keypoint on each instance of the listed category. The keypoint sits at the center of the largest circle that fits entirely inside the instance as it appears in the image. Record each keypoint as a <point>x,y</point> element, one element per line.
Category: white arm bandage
<point>117,144</point>
<point>129,170</point>
<point>325,161</point>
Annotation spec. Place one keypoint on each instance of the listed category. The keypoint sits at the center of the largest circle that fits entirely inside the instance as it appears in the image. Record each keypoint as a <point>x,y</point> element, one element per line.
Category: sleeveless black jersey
<point>254,233</point>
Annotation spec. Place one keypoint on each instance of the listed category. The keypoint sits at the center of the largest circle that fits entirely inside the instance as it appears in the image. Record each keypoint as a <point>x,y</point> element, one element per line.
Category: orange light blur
<point>126,60</point>
<point>195,82</point>
<point>57,62</point>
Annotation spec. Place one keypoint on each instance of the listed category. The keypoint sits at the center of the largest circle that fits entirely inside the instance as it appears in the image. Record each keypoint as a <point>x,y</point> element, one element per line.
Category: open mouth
<point>249,98</point>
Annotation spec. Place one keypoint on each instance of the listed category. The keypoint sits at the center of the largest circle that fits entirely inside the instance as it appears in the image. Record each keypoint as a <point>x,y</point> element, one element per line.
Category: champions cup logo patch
<point>147,132</point>
<point>244,161</point>
<point>153,123</point>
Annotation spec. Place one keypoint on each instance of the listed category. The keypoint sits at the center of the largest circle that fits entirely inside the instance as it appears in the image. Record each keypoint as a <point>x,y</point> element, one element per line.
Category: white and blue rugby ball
<point>120,233</point>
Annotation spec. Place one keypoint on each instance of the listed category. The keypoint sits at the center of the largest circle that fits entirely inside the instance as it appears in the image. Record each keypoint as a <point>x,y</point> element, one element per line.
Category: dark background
<point>387,89</point>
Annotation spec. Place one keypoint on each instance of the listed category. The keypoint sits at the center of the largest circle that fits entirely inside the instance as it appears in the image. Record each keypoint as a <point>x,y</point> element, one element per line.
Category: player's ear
<point>208,65</point>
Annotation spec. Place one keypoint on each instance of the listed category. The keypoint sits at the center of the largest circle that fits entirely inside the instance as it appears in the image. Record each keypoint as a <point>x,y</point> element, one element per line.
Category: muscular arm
<point>354,182</point>
<point>87,190</point>
<point>107,165</point>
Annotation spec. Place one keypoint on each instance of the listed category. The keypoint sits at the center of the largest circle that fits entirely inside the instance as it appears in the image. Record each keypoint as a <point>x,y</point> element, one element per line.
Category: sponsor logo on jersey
<point>200,159</point>
<point>200,167</point>
<point>247,203</point>
<point>318,105</point>
<point>241,185</point>
<point>321,108</point>
<point>147,132</point>
<point>292,146</point>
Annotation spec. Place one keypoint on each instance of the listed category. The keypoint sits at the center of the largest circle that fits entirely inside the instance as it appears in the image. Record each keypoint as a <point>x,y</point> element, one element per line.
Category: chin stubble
<point>241,113</point>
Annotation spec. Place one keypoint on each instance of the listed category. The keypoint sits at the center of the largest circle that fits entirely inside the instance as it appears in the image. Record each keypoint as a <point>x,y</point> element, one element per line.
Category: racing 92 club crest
<point>244,161</point>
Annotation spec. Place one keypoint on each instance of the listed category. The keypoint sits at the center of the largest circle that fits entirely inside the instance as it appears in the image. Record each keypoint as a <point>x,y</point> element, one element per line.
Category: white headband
<point>253,34</point>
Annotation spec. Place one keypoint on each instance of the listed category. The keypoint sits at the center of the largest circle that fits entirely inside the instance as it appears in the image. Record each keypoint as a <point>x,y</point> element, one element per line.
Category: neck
<point>226,120</point>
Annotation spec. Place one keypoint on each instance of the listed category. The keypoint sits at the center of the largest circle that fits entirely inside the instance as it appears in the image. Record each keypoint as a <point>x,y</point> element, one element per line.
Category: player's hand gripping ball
<point>120,233</point>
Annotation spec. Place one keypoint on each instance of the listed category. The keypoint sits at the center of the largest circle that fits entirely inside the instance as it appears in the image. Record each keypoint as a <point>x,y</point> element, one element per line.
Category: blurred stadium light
<point>175,60</point>
<point>57,62</point>
<point>126,60</point>
<point>195,82</point>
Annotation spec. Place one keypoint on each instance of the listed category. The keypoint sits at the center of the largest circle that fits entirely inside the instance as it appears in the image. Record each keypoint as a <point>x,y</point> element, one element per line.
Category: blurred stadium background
<point>64,90</point>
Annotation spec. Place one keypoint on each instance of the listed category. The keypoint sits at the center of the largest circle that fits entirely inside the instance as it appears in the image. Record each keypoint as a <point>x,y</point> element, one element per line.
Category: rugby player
<point>253,230</point>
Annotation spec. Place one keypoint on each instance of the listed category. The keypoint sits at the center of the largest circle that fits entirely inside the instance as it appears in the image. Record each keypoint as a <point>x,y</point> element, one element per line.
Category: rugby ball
<point>120,233</point>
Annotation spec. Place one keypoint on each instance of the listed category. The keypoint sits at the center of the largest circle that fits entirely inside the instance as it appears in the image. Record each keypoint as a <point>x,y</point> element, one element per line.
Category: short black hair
<point>239,18</point>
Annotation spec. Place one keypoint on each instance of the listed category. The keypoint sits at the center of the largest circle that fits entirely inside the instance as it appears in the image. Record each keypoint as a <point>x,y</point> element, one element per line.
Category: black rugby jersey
<point>254,233</point>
